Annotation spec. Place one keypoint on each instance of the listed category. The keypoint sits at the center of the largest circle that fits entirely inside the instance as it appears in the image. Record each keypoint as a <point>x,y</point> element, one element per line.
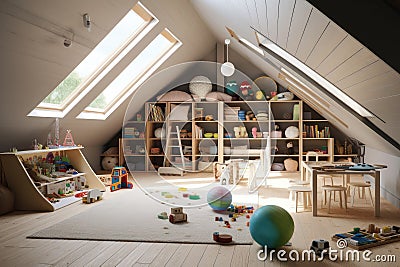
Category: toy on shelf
<point>68,140</point>
<point>177,215</point>
<point>246,93</point>
<point>119,179</point>
<point>91,196</point>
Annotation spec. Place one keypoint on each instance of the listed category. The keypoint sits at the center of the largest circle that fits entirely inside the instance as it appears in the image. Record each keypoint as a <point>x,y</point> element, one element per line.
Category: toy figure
<point>259,95</point>
<point>245,91</point>
<point>231,88</point>
<point>290,148</point>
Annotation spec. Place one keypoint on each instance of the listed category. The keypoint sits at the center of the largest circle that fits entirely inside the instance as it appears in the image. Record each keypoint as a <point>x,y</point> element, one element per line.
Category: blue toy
<point>271,226</point>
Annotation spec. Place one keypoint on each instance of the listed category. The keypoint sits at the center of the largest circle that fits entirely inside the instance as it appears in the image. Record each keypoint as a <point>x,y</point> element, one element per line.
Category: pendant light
<point>227,69</point>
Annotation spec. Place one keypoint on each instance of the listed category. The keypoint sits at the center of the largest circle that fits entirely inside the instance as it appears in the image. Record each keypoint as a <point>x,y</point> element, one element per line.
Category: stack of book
<point>262,116</point>
<point>231,113</point>
<point>312,131</point>
<point>129,132</point>
<point>156,113</point>
<point>198,132</point>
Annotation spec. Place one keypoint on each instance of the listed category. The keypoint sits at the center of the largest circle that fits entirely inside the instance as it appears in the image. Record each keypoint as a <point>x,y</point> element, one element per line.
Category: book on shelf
<point>156,113</point>
<point>198,132</point>
<point>312,131</point>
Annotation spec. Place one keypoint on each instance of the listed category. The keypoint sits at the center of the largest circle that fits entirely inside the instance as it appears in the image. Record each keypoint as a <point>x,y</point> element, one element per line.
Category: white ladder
<point>169,146</point>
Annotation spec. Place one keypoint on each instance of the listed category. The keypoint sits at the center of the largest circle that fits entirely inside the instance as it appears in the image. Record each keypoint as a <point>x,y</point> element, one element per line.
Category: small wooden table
<point>316,168</point>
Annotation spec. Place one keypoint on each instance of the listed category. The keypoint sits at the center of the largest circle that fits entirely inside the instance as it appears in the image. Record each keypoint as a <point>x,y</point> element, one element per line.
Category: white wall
<point>390,177</point>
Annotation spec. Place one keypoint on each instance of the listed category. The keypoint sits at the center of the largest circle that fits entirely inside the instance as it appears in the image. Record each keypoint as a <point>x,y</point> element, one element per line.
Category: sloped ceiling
<point>313,38</point>
<point>34,60</point>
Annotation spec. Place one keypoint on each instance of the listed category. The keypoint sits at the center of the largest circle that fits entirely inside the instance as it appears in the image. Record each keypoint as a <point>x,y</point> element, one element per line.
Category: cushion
<point>218,96</point>
<point>175,96</point>
<point>6,200</point>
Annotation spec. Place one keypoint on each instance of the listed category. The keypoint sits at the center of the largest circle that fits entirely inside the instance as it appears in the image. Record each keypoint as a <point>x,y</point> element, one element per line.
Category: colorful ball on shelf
<point>271,226</point>
<point>219,198</point>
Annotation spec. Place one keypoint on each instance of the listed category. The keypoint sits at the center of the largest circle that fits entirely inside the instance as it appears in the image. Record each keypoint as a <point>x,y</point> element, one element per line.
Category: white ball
<point>200,85</point>
<point>292,132</point>
<point>159,133</point>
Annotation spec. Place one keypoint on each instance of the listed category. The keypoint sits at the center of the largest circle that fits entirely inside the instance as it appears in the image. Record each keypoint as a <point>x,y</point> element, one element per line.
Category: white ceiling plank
<point>373,70</point>
<point>272,15</point>
<point>384,109</point>
<point>262,16</point>
<point>359,60</point>
<point>381,86</point>
<point>348,47</point>
<point>330,39</point>
<point>315,27</point>
<point>285,17</point>
<point>301,14</point>
<point>252,11</point>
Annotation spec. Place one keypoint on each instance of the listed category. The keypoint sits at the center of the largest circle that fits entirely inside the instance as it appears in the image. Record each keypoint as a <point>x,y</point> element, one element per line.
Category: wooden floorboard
<point>17,250</point>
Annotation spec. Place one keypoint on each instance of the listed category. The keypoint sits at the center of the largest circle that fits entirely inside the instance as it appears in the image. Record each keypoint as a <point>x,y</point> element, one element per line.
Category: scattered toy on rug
<point>177,215</point>
<point>320,246</point>
<point>222,238</point>
<point>163,215</point>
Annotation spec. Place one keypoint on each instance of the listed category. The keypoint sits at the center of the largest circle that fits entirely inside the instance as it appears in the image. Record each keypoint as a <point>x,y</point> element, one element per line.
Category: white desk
<point>313,169</point>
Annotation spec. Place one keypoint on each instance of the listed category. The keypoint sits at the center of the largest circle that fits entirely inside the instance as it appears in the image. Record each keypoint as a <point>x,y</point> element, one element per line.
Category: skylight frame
<point>102,114</point>
<point>310,73</point>
<point>54,110</point>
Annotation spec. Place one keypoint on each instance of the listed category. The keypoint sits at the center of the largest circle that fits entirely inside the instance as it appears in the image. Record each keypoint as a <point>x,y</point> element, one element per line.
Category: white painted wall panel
<point>329,40</point>
<point>361,59</point>
<point>301,13</point>
<point>348,47</point>
<point>315,27</point>
<point>262,16</point>
<point>369,72</point>
<point>285,17</point>
<point>272,15</point>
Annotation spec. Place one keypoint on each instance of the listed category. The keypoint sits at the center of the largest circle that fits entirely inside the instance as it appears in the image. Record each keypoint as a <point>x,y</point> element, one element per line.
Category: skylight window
<point>118,42</point>
<point>350,102</point>
<point>161,48</point>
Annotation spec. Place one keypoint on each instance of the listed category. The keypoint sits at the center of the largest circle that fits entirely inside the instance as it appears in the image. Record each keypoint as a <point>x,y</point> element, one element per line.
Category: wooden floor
<point>16,250</point>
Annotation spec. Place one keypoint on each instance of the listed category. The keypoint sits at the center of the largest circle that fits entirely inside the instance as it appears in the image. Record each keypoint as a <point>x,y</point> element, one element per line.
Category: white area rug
<point>131,215</point>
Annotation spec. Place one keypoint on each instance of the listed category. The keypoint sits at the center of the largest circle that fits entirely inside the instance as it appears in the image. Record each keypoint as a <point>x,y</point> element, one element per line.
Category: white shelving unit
<point>31,196</point>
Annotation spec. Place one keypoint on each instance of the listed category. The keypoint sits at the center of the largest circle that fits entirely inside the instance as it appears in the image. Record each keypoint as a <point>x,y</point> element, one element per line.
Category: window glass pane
<point>123,31</point>
<point>132,72</point>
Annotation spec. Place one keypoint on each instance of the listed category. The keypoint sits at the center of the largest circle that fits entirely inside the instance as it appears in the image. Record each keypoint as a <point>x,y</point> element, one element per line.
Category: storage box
<point>276,134</point>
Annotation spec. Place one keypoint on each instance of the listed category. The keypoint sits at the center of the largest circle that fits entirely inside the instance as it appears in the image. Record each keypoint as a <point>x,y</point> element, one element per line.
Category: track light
<point>86,22</point>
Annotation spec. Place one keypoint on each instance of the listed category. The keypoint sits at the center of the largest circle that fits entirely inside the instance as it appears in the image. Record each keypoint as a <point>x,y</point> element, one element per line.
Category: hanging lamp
<point>227,69</point>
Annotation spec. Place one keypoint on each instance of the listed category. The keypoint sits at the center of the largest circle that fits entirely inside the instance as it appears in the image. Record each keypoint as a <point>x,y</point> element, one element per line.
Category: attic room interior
<point>199,133</point>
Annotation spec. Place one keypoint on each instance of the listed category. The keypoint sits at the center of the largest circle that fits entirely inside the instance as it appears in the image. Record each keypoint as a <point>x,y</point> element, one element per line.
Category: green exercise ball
<point>271,226</point>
